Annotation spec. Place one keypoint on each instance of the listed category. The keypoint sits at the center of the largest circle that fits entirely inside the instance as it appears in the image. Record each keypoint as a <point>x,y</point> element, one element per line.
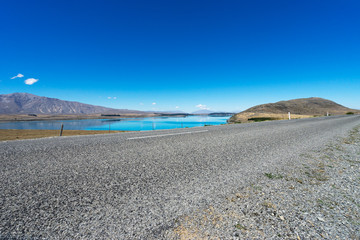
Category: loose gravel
<point>315,197</point>
<point>262,180</point>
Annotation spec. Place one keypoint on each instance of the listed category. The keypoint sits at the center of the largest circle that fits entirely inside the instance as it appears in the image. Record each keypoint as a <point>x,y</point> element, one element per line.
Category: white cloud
<point>177,107</point>
<point>31,81</point>
<point>111,98</point>
<point>154,103</point>
<point>141,103</point>
<point>201,106</point>
<point>18,76</point>
<point>115,97</point>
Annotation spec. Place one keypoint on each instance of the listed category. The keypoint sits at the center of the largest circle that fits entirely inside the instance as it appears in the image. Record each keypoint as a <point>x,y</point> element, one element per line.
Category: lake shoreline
<point>49,117</point>
<point>44,117</point>
<point>104,123</point>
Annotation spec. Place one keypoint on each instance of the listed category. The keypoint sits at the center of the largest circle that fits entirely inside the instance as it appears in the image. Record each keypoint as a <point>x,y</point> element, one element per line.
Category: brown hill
<point>299,108</point>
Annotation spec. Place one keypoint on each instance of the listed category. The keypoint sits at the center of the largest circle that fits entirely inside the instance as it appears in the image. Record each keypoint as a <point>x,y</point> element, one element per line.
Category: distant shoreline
<point>48,117</point>
<point>44,117</point>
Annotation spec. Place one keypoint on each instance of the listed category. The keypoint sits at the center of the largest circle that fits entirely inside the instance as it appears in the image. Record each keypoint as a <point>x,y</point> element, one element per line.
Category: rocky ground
<point>315,197</point>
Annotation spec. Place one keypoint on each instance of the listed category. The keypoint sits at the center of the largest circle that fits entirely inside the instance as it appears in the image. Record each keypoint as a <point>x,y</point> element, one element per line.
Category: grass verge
<point>17,134</point>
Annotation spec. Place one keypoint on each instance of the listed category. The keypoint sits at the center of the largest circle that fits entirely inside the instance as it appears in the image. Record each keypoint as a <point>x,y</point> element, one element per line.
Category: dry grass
<point>15,134</point>
<point>192,227</point>
<point>184,233</point>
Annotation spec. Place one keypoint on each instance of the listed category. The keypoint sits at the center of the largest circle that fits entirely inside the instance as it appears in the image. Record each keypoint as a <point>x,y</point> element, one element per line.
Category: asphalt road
<point>133,185</point>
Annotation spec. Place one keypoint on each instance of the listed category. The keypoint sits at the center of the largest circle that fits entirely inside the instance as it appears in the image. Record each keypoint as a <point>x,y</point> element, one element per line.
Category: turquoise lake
<point>128,124</point>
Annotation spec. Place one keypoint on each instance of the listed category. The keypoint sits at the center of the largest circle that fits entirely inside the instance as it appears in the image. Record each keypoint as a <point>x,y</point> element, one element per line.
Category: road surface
<point>133,185</point>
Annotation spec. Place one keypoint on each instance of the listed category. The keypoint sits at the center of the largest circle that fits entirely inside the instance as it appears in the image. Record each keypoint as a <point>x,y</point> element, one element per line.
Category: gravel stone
<point>325,204</point>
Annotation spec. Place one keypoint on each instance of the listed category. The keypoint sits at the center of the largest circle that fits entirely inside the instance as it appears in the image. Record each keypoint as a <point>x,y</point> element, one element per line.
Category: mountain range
<point>202,112</point>
<point>26,103</point>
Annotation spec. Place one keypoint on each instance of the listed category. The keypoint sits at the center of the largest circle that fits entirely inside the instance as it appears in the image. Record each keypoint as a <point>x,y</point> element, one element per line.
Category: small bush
<point>274,176</point>
<point>241,227</point>
<point>261,119</point>
<point>349,113</point>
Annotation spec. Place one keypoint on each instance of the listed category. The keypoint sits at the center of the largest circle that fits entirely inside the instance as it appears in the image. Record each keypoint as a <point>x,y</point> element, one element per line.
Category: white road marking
<point>163,135</point>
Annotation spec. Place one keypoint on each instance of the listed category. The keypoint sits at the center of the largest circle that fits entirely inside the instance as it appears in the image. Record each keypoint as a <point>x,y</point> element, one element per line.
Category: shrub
<point>261,119</point>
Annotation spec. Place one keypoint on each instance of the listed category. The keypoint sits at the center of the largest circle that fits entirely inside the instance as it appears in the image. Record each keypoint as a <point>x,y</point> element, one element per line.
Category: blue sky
<point>182,54</point>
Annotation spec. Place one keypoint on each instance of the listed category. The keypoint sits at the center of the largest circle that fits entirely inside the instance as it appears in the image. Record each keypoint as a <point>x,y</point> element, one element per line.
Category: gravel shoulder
<point>317,196</point>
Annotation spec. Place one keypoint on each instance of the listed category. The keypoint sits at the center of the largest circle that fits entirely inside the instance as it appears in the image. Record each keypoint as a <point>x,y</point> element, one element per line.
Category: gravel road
<point>146,185</point>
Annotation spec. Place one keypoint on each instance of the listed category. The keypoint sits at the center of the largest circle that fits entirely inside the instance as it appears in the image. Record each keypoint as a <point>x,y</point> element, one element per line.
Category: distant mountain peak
<point>203,111</point>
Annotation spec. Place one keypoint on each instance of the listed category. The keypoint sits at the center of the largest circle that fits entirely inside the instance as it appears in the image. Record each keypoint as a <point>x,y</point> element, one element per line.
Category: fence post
<point>61,129</point>
<point>289,116</point>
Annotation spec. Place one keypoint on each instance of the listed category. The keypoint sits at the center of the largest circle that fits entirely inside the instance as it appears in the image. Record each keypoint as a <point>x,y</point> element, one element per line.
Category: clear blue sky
<point>225,55</point>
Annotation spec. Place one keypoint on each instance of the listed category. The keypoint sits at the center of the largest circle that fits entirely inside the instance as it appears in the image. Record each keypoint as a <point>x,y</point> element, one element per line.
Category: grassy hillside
<point>299,108</point>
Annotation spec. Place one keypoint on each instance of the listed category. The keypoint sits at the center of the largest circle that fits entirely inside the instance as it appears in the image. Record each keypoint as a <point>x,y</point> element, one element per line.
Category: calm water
<point>130,124</point>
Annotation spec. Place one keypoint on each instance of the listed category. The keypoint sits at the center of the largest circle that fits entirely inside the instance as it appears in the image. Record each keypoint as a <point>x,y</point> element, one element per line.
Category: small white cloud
<point>31,81</point>
<point>18,76</point>
<point>109,97</point>
<point>177,107</point>
<point>115,98</point>
<point>141,103</point>
<point>201,106</point>
<point>154,103</point>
